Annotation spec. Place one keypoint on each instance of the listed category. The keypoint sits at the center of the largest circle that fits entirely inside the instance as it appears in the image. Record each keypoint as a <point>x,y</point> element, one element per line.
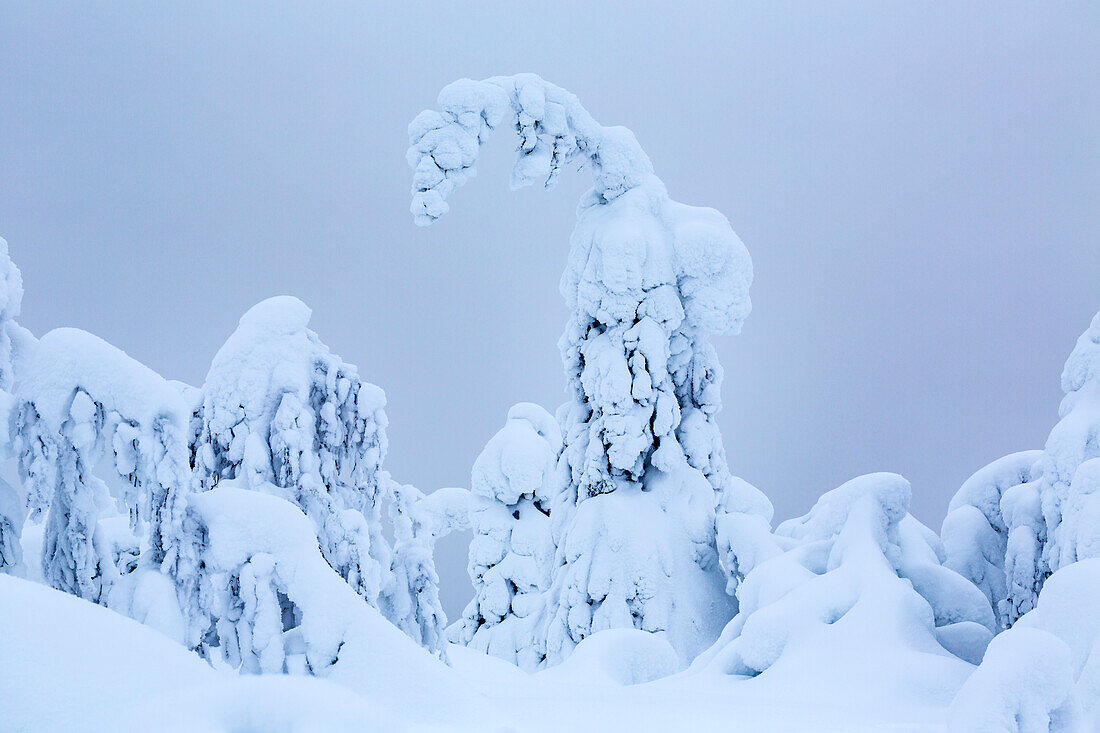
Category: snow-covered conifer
<point>511,554</point>
<point>648,280</point>
<point>11,503</point>
<point>11,299</point>
<point>270,603</point>
<point>78,399</point>
<point>1069,484</point>
<point>281,410</point>
<point>411,597</point>
<point>859,576</point>
<point>995,509</point>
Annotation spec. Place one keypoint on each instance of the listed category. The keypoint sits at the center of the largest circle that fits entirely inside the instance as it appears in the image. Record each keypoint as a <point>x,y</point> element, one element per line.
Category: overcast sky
<point>918,184</point>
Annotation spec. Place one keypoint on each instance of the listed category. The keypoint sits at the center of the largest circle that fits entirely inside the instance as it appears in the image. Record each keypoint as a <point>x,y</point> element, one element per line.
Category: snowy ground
<point>86,668</point>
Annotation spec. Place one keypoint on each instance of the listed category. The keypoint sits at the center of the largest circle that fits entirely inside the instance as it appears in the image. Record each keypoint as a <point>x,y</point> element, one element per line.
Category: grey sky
<point>918,184</point>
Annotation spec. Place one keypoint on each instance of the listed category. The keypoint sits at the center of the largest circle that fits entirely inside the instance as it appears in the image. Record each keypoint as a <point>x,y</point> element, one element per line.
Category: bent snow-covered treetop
<point>553,128</point>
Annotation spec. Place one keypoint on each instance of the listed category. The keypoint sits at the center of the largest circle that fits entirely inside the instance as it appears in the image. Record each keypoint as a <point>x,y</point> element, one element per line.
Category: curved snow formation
<point>648,281</point>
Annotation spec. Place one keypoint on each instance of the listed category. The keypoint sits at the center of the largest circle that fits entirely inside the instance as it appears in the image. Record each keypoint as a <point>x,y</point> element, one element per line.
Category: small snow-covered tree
<point>511,554</point>
<point>11,300</point>
<point>411,597</point>
<point>271,603</point>
<point>11,503</point>
<point>282,412</point>
<point>648,280</point>
<point>1068,499</point>
<point>860,580</point>
<point>996,515</point>
<point>1040,509</point>
<point>79,399</point>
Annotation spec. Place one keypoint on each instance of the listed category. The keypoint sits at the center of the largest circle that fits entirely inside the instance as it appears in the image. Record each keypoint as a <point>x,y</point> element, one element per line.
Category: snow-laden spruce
<point>11,335</point>
<point>411,598</point>
<point>648,281</point>
<point>1039,510</point>
<point>511,554</point>
<point>1071,473</point>
<point>856,585</point>
<point>282,414</point>
<point>994,515</point>
<point>281,410</point>
<point>79,399</point>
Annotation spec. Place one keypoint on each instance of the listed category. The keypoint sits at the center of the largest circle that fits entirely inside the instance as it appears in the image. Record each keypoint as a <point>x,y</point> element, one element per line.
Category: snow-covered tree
<point>1070,478</point>
<point>995,515</point>
<point>856,586</point>
<point>1039,509</point>
<point>78,400</point>
<point>648,280</point>
<point>282,412</point>
<point>11,335</point>
<point>511,554</point>
<point>271,604</point>
<point>410,598</point>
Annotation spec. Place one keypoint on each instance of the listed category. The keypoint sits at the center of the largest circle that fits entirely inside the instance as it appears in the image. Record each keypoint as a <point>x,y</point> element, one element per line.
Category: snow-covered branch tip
<point>553,130</point>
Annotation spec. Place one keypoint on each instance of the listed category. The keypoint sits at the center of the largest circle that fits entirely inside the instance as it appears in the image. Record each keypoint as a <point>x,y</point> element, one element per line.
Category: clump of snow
<point>11,528</point>
<point>1044,673</point>
<point>1024,685</point>
<point>859,588</point>
<point>743,523</point>
<point>617,657</point>
<point>511,554</point>
<point>553,129</point>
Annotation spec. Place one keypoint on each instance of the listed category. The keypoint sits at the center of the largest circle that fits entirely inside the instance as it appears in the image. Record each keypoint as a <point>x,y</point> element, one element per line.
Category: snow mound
<point>618,657</point>
<point>273,604</point>
<point>861,590</point>
<point>72,665</point>
<point>1024,685</point>
<point>262,704</point>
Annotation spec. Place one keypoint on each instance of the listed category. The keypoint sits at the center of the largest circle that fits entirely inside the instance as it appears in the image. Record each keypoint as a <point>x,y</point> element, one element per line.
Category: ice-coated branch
<point>553,129</point>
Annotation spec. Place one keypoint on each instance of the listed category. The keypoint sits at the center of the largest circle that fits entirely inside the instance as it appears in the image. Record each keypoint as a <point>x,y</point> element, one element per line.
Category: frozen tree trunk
<point>648,280</point>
